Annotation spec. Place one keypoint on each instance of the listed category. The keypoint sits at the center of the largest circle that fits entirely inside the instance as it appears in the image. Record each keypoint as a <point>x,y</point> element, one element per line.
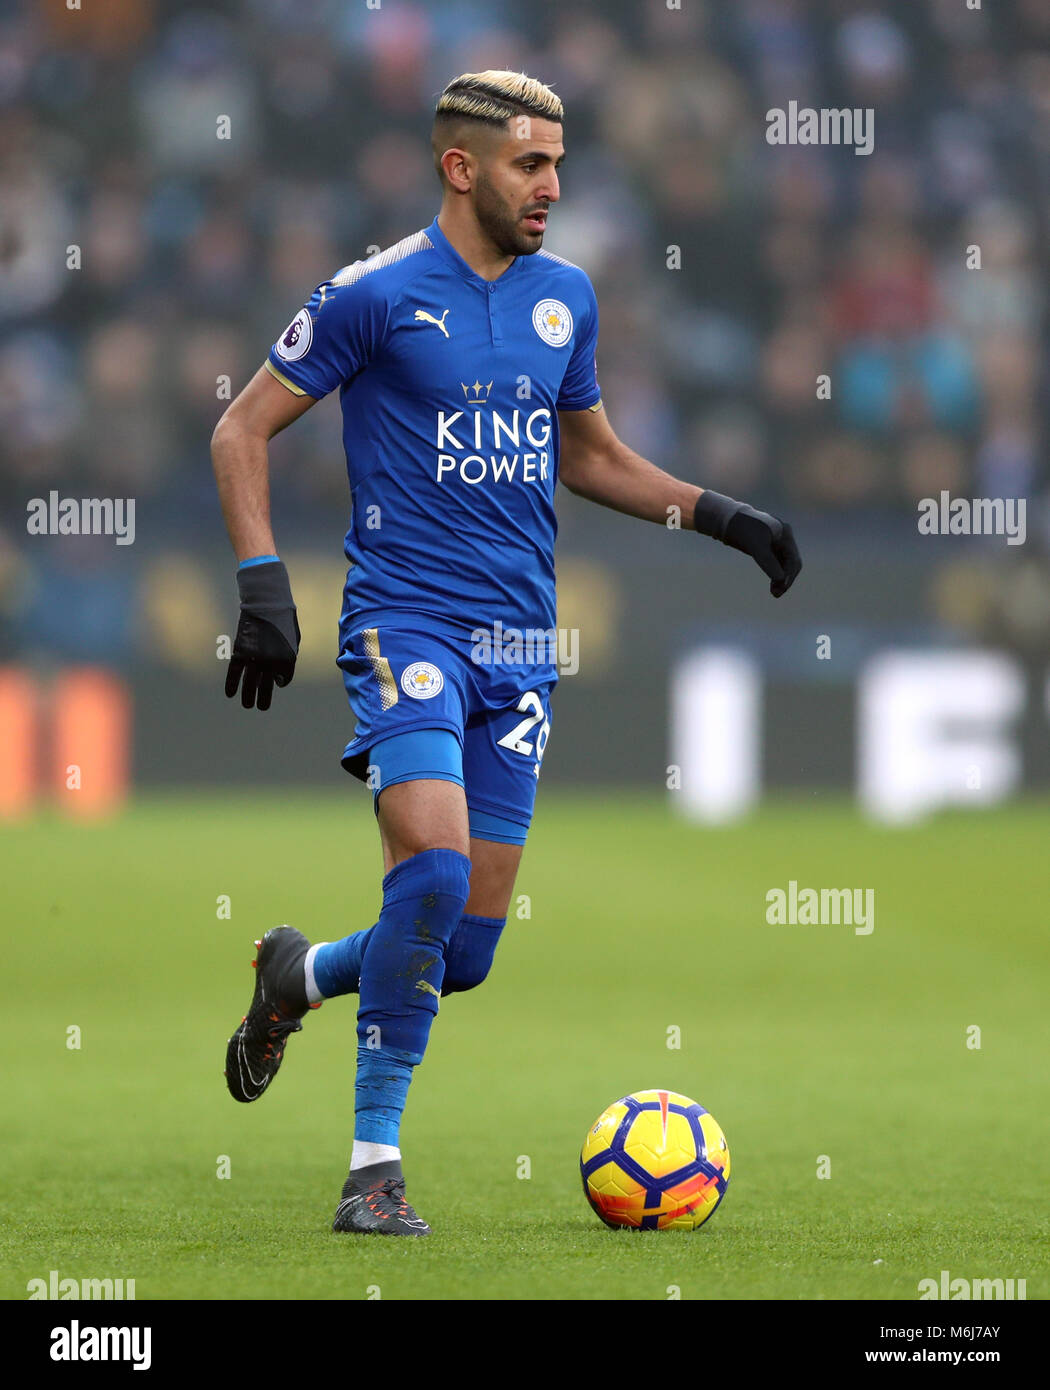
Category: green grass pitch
<point>801,1040</point>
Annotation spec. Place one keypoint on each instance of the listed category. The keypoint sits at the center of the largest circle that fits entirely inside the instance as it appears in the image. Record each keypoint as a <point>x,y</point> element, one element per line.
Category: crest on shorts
<point>422,681</point>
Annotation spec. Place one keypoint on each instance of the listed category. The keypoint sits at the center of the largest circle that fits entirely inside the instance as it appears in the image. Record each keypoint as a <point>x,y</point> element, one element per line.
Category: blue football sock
<point>468,959</point>
<point>337,964</point>
<point>469,956</point>
<point>402,970</point>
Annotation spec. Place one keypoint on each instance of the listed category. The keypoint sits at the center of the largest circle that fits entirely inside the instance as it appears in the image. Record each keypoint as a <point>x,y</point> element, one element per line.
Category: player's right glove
<point>267,640</point>
<point>768,540</point>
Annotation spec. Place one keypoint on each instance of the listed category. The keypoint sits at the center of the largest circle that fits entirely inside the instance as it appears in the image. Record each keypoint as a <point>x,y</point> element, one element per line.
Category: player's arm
<point>597,465</point>
<point>267,640</point>
<point>240,458</point>
<point>332,337</point>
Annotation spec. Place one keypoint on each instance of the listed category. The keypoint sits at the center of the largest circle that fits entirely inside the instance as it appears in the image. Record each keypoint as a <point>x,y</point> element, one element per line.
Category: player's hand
<point>769,541</point>
<point>267,640</point>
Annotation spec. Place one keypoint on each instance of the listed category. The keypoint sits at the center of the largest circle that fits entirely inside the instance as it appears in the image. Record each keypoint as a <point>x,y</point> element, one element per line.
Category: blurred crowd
<point>795,262</point>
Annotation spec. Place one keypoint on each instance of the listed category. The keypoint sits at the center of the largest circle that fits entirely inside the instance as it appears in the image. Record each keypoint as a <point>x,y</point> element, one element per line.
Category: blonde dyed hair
<point>497,95</point>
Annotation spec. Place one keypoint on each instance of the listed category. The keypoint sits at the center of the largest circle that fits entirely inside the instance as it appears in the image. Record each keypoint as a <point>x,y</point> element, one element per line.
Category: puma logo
<point>423,317</point>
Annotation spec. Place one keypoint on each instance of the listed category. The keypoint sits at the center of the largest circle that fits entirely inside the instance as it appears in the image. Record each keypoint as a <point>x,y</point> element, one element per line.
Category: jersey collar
<point>448,253</point>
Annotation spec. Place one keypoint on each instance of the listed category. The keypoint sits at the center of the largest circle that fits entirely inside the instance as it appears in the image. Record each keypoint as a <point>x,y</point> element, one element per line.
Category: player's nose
<point>549,191</point>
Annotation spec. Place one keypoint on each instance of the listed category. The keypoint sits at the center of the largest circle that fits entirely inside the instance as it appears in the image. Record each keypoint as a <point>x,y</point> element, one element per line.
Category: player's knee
<point>470,953</point>
<point>409,844</point>
<point>419,815</point>
<point>439,878</point>
<point>467,975</point>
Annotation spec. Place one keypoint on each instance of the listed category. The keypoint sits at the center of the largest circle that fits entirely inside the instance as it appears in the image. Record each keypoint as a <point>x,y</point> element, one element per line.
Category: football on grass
<point>655,1161</point>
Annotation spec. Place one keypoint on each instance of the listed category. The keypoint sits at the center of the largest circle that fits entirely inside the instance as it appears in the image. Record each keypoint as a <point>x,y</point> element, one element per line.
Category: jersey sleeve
<point>332,337</point>
<point>579,387</point>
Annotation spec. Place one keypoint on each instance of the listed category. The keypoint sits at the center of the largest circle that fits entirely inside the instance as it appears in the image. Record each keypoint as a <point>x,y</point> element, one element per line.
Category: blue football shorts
<point>434,706</point>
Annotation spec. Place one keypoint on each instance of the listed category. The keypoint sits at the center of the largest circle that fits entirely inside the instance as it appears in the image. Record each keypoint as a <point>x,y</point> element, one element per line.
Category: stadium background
<point>794,262</point>
<point>127,944</point>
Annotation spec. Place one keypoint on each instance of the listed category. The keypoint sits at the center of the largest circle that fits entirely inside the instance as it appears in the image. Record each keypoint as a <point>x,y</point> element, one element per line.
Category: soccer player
<point>464,357</point>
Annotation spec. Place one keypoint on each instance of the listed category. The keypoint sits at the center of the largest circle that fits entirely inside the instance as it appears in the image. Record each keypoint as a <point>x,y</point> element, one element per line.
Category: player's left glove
<point>768,540</point>
<point>267,640</point>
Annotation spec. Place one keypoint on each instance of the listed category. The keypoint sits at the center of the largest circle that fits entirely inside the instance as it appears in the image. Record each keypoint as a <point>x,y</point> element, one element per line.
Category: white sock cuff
<point>313,994</point>
<point>365,1154</point>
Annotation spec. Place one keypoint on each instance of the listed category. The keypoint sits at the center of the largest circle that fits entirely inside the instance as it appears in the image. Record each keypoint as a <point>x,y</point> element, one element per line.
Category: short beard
<point>500,225</point>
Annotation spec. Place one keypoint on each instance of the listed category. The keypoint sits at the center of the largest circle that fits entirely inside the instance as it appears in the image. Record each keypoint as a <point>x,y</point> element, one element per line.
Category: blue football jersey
<point>450,387</point>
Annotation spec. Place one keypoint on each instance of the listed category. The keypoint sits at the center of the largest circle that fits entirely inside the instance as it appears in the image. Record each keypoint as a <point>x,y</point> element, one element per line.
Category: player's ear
<point>457,166</point>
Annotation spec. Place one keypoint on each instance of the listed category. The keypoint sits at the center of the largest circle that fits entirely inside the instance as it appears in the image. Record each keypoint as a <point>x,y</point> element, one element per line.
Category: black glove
<point>267,640</point>
<point>768,540</point>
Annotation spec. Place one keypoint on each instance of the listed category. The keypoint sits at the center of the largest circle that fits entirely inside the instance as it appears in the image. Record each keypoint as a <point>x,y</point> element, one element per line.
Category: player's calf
<point>402,973</point>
